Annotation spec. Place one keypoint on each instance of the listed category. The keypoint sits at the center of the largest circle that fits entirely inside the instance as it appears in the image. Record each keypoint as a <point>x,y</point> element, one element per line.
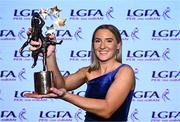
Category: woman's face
<point>105,45</point>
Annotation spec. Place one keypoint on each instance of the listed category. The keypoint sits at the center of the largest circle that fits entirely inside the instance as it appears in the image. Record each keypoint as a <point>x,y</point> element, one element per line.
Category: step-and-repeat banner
<point>150,31</point>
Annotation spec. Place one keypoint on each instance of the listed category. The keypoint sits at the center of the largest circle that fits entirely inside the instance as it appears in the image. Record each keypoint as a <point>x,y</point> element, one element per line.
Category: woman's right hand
<point>34,45</point>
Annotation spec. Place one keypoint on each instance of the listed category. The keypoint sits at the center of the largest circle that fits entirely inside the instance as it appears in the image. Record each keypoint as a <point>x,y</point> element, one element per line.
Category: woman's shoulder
<point>83,71</point>
<point>126,73</point>
<point>125,69</point>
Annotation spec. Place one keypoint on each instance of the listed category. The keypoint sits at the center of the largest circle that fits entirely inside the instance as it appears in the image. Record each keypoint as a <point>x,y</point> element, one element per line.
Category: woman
<point>110,84</point>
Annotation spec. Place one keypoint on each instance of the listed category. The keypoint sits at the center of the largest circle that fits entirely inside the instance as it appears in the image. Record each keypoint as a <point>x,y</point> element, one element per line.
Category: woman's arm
<point>70,82</point>
<point>117,93</point>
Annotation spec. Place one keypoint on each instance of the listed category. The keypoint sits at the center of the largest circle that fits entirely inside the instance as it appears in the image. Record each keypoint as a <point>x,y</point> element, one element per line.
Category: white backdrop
<point>150,31</point>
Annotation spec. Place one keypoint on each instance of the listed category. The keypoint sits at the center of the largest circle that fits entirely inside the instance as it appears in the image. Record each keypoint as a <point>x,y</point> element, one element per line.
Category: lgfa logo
<point>166,115</point>
<point>24,56</point>
<point>19,94</point>
<point>151,96</point>
<point>80,55</point>
<point>148,55</point>
<point>55,115</point>
<point>166,35</point>
<point>148,14</point>
<point>24,14</point>
<point>9,115</point>
<point>146,96</point>
<point>91,14</point>
<point>9,34</point>
<point>166,75</point>
<point>10,75</point>
<point>127,35</point>
<point>68,34</point>
<point>7,75</point>
<point>19,97</point>
<point>86,12</point>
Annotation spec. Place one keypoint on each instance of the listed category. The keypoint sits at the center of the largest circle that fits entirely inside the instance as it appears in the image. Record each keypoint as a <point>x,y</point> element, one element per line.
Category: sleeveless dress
<point>97,88</point>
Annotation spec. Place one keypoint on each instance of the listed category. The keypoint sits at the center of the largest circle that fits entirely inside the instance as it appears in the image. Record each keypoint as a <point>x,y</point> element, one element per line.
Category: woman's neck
<point>107,66</point>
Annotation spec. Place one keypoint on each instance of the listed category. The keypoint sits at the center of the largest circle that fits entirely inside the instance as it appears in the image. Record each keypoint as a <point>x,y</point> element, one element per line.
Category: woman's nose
<point>102,45</point>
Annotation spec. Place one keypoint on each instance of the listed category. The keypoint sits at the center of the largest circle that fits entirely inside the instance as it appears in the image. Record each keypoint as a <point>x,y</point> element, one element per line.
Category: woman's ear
<point>118,46</point>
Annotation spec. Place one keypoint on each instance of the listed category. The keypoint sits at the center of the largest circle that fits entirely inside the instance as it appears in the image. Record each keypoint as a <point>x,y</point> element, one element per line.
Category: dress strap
<point>118,68</point>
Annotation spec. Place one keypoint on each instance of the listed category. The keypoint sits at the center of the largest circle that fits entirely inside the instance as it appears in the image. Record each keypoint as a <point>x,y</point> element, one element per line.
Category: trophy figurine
<point>43,80</point>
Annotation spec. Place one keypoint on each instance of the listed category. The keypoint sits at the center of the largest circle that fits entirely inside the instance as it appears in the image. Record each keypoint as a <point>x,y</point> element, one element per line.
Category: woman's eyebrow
<point>109,38</point>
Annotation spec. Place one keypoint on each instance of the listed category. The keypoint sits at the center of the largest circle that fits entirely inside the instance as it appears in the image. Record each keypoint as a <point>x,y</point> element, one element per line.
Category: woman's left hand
<point>54,93</point>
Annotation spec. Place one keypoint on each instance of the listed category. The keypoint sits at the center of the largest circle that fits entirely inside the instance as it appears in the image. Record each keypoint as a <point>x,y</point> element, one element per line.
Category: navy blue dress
<point>97,88</point>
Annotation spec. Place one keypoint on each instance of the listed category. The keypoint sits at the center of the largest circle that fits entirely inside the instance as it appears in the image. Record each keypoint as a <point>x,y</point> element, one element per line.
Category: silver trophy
<point>43,80</point>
